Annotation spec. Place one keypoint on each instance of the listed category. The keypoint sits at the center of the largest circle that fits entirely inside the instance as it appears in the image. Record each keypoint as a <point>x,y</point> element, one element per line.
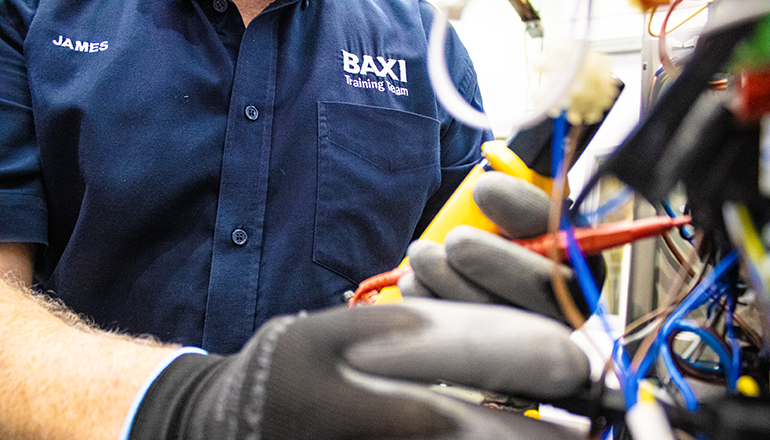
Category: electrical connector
<point>754,95</point>
<point>751,60</point>
<point>593,90</point>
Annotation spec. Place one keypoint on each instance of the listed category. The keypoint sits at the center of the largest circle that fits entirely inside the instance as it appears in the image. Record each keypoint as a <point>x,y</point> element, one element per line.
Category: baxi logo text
<point>365,65</point>
<point>81,46</point>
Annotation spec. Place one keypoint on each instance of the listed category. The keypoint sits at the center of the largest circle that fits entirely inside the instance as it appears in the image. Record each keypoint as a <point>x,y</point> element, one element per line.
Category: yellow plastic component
<point>748,386</point>
<point>532,413</point>
<point>389,295</point>
<point>506,161</point>
<point>460,209</point>
<point>646,392</point>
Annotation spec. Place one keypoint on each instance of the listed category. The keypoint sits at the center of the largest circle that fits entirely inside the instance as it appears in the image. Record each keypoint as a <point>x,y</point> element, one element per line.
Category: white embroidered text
<point>388,69</point>
<point>81,46</point>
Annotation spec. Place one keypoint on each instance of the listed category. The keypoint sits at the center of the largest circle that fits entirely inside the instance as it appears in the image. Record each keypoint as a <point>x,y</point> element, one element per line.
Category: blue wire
<point>557,153</point>
<point>591,292</point>
<point>682,229</point>
<point>667,207</point>
<point>734,372</point>
<point>676,376</point>
<point>582,272</point>
<point>622,366</point>
<point>586,280</point>
<point>702,293</point>
<point>557,144</point>
<point>689,397</point>
<point>613,204</point>
<point>712,341</point>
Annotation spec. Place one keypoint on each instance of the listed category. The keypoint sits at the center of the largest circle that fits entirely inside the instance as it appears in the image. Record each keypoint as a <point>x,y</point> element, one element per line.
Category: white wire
<point>456,105</point>
<point>649,328</point>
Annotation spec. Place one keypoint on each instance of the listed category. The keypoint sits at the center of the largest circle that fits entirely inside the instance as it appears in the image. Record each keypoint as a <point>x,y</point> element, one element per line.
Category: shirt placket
<point>237,252</point>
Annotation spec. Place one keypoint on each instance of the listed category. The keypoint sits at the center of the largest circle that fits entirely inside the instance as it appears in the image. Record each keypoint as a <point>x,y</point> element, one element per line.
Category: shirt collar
<point>278,3</point>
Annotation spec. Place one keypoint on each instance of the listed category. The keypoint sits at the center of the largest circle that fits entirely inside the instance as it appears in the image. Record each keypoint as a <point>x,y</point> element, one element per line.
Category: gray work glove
<point>477,266</point>
<point>364,373</point>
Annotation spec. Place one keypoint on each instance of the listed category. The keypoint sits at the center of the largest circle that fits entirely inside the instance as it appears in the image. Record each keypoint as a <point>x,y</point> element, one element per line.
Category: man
<point>369,372</point>
<point>179,174</point>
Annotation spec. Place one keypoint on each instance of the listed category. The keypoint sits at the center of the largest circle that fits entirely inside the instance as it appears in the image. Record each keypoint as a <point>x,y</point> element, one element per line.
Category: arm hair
<point>60,376</point>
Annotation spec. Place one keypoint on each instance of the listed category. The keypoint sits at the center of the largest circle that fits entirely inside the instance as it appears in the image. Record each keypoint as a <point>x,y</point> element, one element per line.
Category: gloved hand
<point>364,374</point>
<point>477,266</point>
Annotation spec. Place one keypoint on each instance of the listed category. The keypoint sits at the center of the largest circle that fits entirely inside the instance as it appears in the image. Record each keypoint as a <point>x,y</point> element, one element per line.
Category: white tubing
<point>446,92</point>
<point>456,105</point>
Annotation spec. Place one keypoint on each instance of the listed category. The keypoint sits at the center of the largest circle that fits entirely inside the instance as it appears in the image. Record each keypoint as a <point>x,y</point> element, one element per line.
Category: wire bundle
<point>718,284</point>
<point>718,291</point>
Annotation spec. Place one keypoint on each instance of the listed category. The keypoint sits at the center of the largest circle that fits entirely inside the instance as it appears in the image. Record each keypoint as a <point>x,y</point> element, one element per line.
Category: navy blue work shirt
<point>190,177</point>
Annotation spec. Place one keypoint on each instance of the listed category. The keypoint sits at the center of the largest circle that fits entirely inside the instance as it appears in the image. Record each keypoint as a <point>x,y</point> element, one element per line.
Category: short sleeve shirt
<point>191,177</point>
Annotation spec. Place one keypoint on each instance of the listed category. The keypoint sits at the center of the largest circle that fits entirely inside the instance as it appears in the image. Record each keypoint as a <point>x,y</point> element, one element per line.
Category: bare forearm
<point>60,381</point>
<point>17,262</point>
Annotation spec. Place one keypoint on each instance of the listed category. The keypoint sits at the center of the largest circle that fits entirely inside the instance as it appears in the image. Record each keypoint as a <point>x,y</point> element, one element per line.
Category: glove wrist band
<point>162,365</point>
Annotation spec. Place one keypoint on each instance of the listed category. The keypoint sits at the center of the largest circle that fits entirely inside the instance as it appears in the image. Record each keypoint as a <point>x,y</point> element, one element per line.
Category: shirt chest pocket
<point>377,167</point>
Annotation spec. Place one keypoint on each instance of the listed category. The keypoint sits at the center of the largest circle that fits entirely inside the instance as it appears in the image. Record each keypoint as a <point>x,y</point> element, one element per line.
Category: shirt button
<point>251,112</point>
<point>240,237</point>
<point>220,5</point>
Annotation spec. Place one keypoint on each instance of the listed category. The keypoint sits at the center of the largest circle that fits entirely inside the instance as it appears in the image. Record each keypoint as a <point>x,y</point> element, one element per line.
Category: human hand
<point>366,373</point>
<point>477,266</point>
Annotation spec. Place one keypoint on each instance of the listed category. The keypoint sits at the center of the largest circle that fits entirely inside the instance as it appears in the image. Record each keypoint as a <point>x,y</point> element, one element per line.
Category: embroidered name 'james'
<point>81,46</point>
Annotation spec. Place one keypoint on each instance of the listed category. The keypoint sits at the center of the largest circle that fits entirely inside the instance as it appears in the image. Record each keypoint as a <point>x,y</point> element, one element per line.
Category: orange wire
<point>563,296</point>
<point>369,288</point>
<point>652,14</point>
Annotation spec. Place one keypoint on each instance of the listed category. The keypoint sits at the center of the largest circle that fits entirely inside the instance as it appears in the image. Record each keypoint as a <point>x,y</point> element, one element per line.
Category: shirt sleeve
<point>460,143</point>
<point>23,213</point>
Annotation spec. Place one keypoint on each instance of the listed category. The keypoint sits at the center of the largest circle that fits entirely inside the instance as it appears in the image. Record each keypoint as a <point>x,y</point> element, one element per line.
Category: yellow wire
<point>751,240</point>
<point>652,14</point>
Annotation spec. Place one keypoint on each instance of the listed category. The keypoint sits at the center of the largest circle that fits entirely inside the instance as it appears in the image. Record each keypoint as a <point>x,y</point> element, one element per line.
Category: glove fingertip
<point>430,266</point>
<point>513,274</point>
<point>412,288</point>
<point>517,207</point>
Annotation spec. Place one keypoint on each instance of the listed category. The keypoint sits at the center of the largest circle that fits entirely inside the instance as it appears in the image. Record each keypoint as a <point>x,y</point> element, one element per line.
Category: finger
<point>429,262</point>
<point>487,347</point>
<point>505,269</point>
<point>314,391</point>
<point>411,287</point>
<point>517,207</point>
<point>477,423</point>
<point>461,420</point>
<point>289,383</point>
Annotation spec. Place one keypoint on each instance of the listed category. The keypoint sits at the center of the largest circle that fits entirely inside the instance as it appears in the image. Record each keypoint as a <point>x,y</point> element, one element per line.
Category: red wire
<point>668,65</point>
<point>592,241</point>
<point>369,288</point>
